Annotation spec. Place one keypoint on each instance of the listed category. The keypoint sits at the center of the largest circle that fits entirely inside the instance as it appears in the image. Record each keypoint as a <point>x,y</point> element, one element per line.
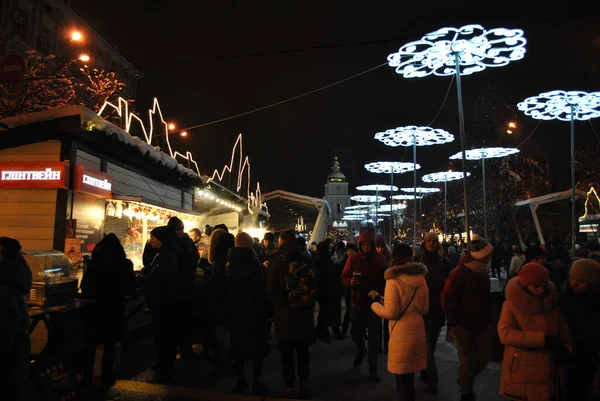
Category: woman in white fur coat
<point>406,301</point>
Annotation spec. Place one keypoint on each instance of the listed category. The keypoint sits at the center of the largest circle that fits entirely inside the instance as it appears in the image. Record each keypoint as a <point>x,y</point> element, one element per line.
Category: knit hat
<point>431,235</point>
<point>163,233</point>
<point>380,242</point>
<point>401,254</point>
<point>480,248</point>
<point>533,273</point>
<point>586,270</point>
<point>175,223</point>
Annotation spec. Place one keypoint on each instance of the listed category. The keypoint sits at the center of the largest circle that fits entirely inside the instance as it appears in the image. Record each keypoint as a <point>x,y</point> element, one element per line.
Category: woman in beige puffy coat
<point>535,335</point>
<point>406,301</point>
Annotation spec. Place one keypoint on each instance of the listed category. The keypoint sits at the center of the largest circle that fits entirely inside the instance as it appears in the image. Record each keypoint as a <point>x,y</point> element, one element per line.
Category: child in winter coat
<point>535,335</point>
<point>406,301</point>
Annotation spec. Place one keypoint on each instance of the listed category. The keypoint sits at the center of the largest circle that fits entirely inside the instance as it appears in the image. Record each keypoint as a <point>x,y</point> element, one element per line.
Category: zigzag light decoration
<point>122,110</point>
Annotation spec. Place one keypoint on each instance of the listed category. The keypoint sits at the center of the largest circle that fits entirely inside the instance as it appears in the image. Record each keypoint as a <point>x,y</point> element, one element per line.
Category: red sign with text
<point>35,175</point>
<point>92,181</point>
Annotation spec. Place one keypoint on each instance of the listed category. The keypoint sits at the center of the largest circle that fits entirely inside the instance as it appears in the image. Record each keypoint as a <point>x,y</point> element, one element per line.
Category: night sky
<point>209,60</point>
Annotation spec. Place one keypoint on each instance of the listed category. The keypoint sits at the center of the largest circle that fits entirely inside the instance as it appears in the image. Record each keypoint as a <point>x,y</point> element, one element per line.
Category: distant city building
<point>336,192</point>
<point>55,27</point>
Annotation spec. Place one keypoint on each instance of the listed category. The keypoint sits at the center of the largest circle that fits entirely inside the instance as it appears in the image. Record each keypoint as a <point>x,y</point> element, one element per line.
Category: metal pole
<point>414,189</point>
<point>573,218</point>
<point>420,215</point>
<point>391,207</point>
<point>376,208</point>
<point>485,233</point>
<point>461,121</point>
<point>445,203</point>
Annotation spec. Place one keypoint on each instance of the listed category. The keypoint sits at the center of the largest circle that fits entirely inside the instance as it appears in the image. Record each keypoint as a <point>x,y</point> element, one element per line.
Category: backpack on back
<point>300,284</point>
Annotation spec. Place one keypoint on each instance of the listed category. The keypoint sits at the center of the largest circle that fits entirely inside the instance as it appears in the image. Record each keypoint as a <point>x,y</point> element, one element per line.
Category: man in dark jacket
<point>363,273</point>
<point>161,297</point>
<point>15,283</point>
<point>431,255</point>
<point>294,326</point>
<point>187,260</point>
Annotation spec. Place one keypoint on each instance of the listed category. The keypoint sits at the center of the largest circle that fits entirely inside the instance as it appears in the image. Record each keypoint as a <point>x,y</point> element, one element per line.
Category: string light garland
<point>254,199</point>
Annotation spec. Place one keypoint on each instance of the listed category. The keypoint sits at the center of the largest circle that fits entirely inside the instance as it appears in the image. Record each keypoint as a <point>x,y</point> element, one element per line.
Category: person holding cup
<point>363,273</point>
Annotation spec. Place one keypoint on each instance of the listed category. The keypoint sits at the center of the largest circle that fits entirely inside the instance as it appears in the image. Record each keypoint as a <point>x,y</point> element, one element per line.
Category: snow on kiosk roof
<point>93,123</point>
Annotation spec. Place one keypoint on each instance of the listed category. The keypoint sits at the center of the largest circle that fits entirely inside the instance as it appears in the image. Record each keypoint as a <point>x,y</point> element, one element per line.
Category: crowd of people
<point>231,293</point>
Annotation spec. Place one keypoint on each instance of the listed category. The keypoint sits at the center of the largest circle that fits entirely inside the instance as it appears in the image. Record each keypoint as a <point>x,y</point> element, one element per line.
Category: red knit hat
<point>380,242</point>
<point>533,273</point>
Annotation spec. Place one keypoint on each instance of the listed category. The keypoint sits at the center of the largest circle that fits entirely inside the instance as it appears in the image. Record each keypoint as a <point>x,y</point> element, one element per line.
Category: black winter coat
<point>246,305</point>
<point>108,281</point>
<point>187,260</point>
<point>225,242</point>
<point>291,324</point>
<point>15,343</point>
<point>161,282</point>
<point>582,312</point>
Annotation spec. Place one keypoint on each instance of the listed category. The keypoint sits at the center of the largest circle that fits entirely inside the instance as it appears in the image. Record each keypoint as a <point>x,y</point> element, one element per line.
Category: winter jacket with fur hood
<point>528,369</point>
<point>407,350</point>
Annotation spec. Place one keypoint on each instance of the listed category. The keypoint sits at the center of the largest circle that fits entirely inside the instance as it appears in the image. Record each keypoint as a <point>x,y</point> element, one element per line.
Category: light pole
<point>393,168</point>
<point>455,52</point>
<point>414,136</point>
<point>445,176</point>
<point>564,106</point>
<point>369,199</point>
<point>377,188</point>
<point>482,154</point>
<point>421,191</point>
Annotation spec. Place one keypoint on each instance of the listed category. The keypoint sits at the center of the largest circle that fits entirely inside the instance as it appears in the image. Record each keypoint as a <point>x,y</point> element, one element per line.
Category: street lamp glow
<point>476,47</point>
<point>413,135</point>
<point>84,57</point>
<point>76,36</point>
<point>377,187</point>
<point>512,125</point>
<point>444,176</point>
<point>509,132</point>
<point>406,197</point>
<point>485,153</point>
<point>367,198</point>
<point>564,106</point>
<point>390,167</point>
<point>420,190</point>
<point>171,126</point>
<point>183,134</point>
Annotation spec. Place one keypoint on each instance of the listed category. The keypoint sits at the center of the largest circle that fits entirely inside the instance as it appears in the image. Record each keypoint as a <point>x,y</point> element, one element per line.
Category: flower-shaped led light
<point>353,218</point>
<point>356,212</point>
<point>367,198</point>
<point>560,104</point>
<point>388,208</point>
<point>406,197</point>
<point>476,47</point>
<point>390,167</point>
<point>377,187</point>
<point>444,176</point>
<point>354,207</point>
<point>421,190</point>
<point>413,135</point>
<point>485,153</point>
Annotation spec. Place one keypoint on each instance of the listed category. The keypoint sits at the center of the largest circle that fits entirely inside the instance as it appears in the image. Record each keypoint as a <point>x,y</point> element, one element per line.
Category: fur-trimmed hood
<point>517,295</point>
<point>411,268</point>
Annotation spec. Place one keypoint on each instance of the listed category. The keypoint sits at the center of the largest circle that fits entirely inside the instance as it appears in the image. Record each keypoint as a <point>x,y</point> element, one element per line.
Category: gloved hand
<point>562,355</point>
<point>552,343</point>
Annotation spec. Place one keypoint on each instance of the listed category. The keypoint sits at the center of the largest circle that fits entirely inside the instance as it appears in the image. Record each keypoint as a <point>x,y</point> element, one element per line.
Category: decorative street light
<point>482,154</point>
<point>445,176</point>
<point>564,106</point>
<point>459,51</point>
<point>377,187</point>
<point>392,168</point>
<point>367,198</point>
<point>414,136</point>
<point>406,197</point>
<point>421,191</point>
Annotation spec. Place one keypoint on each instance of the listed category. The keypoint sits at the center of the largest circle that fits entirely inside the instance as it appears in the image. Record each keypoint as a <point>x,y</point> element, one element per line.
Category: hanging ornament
<point>119,210</point>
